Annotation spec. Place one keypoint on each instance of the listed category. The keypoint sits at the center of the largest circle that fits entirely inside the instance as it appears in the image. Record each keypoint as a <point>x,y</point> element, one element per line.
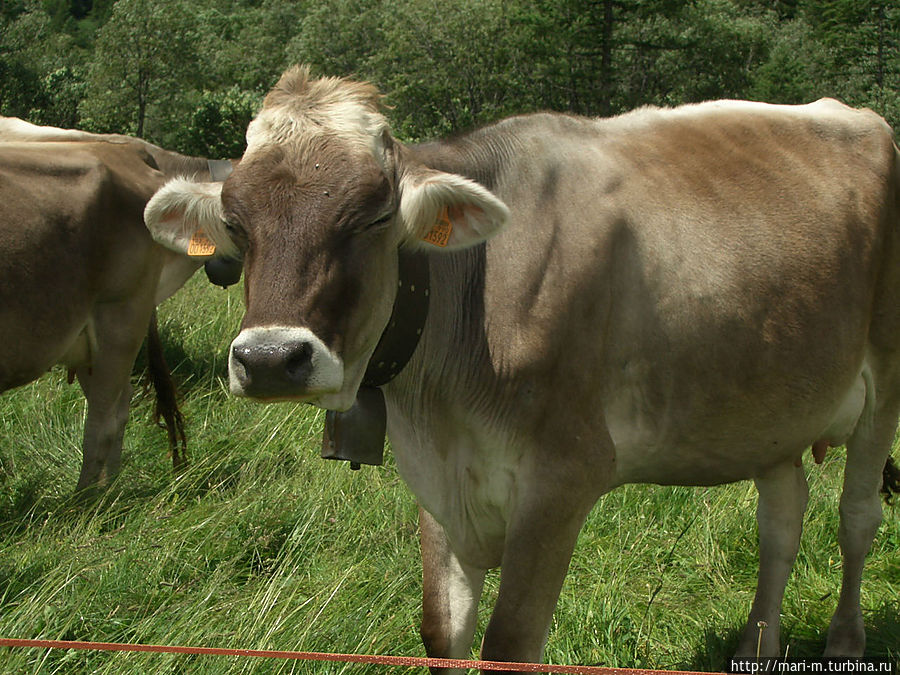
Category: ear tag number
<point>200,245</point>
<point>439,235</point>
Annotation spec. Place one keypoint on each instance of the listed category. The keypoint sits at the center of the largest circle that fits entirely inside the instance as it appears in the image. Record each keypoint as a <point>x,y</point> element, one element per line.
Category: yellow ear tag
<point>439,235</point>
<point>200,245</point>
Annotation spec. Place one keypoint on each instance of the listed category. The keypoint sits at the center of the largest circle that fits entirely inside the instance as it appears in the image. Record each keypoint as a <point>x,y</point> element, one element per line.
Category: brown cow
<point>80,275</point>
<point>690,296</point>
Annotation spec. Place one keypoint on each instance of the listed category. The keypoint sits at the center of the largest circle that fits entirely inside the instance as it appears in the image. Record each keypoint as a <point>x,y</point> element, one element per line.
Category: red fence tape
<point>407,661</point>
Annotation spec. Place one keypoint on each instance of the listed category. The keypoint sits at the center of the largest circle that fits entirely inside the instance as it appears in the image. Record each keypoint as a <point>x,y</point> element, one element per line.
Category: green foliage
<point>340,35</point>
<point>246,44</point>
<point>63,89</point>
<point>173,71</point>
<point>218,123</point>
<point>792,73</point>
<point>142,54</point>
<point>29,52</point>
<point>453,70</point>
<point>861,64</point>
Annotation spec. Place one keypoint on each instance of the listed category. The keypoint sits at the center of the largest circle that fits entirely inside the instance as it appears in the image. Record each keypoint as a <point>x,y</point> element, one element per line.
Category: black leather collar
<point>401,336</point>
<point>357,435</point>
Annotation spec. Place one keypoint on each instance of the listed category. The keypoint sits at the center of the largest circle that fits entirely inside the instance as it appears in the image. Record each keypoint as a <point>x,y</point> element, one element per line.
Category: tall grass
<point>261,544</point>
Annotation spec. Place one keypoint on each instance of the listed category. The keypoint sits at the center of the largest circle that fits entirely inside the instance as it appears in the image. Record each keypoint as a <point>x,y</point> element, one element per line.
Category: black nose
<point>270,370</point>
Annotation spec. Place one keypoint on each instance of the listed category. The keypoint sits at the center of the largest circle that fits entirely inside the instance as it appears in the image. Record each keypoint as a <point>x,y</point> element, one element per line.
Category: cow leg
<point>120,329</point>
<point>450,594</point>
<point>539,546</point>
<point>860,513</point>
<point>783,494</point>
<point>104,428</point>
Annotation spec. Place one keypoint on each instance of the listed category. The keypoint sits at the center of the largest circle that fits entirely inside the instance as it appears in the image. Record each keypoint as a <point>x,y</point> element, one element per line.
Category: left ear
<point>447,211</point>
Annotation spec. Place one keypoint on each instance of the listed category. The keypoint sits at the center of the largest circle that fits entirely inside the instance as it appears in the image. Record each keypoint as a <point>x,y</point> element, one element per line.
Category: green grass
<point>262,545</point>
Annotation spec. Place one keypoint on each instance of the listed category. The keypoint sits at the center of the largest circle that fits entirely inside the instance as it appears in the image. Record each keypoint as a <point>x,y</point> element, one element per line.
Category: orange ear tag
<point>439,235</point>
<point>200,245</point>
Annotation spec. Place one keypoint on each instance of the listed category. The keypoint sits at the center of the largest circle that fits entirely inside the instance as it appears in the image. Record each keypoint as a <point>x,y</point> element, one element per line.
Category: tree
<point>173,70</point>
<point>792,71</point>
<point>62,90</point>
<point>450,66</point>
<point>247,46</point>
<point>572,47</point>
<point>340,37</point>
<point>861,61</point>
<point>218,124</point>
<point>144,55</point>
<point>32,84</point>
<point>717,46</point>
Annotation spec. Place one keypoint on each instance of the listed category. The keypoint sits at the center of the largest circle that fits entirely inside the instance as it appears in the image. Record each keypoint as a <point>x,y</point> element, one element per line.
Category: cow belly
<point>645,453</point>
<point>466,479</point>
<point>27,351</point>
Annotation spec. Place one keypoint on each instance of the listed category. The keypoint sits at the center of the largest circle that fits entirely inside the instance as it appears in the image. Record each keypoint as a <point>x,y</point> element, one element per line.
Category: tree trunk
<point>606,74</point>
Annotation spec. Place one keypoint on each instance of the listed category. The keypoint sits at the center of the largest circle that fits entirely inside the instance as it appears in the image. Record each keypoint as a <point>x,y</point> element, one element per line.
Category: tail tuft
<point>166,397</point>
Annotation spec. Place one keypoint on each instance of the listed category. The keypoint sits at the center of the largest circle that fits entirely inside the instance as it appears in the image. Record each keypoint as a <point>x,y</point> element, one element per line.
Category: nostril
<point>298,362</point>
<point>241,354</point>
<point>239,359</point>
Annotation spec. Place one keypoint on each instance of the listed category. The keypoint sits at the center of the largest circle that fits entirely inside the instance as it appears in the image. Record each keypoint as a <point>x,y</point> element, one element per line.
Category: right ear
<point>187,217</point>
<point>447,210</point>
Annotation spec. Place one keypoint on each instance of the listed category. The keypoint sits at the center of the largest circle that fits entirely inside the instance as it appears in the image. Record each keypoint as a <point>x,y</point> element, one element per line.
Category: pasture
<point>261,544</point>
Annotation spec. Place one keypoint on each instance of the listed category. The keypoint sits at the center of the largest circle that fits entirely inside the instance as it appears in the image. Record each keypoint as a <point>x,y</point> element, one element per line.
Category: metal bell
<point>357,435</point>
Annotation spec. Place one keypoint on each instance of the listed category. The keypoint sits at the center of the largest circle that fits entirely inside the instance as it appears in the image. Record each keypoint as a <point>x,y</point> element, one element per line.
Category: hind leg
<point>783,495</point>
<point>860,513</point>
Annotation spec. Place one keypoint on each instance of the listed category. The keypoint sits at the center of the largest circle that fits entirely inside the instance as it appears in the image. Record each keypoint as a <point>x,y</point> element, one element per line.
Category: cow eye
<point>381,222</point>
<point>236,232</point>
<point>231,227</point>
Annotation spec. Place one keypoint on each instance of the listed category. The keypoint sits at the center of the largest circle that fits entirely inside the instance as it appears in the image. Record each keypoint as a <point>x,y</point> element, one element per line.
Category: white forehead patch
<point>348,122</point>
<point>299,107</point>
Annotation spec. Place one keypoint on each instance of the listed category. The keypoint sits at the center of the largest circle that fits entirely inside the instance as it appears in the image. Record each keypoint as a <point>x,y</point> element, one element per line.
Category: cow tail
<point>166,397</point>
<point>890,484</point>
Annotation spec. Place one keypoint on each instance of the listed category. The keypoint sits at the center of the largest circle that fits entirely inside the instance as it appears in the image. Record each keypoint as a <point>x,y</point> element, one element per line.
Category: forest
<point>189,74</point>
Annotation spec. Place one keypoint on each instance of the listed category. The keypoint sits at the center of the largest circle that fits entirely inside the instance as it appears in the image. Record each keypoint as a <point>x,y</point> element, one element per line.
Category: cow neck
<point>400,338</point>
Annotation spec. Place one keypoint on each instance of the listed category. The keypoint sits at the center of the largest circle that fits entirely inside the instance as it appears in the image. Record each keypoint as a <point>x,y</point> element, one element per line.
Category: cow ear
<point>187,217</point>
<point>448,211</point>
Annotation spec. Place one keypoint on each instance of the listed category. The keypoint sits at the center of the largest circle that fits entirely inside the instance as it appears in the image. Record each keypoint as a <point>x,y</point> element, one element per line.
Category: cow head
<point>318,208</point>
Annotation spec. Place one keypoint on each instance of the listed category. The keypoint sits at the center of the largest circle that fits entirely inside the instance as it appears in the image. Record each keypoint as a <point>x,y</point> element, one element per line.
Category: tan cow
<point>690,296</point>
<point>79,274</point>
<point>176,269</point>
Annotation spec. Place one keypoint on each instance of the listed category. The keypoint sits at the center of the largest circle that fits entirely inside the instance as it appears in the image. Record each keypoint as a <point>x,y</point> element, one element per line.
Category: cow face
<point>318,208</point>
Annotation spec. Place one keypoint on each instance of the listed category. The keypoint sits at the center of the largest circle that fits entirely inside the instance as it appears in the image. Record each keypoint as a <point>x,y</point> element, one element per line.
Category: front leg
<point>539,547</point>
<point>559,481</point>
<point>108,400</point>
<point>450,594</point>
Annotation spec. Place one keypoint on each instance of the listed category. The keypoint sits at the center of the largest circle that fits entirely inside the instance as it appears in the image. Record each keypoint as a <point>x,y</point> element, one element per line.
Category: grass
<point>262,545</point>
